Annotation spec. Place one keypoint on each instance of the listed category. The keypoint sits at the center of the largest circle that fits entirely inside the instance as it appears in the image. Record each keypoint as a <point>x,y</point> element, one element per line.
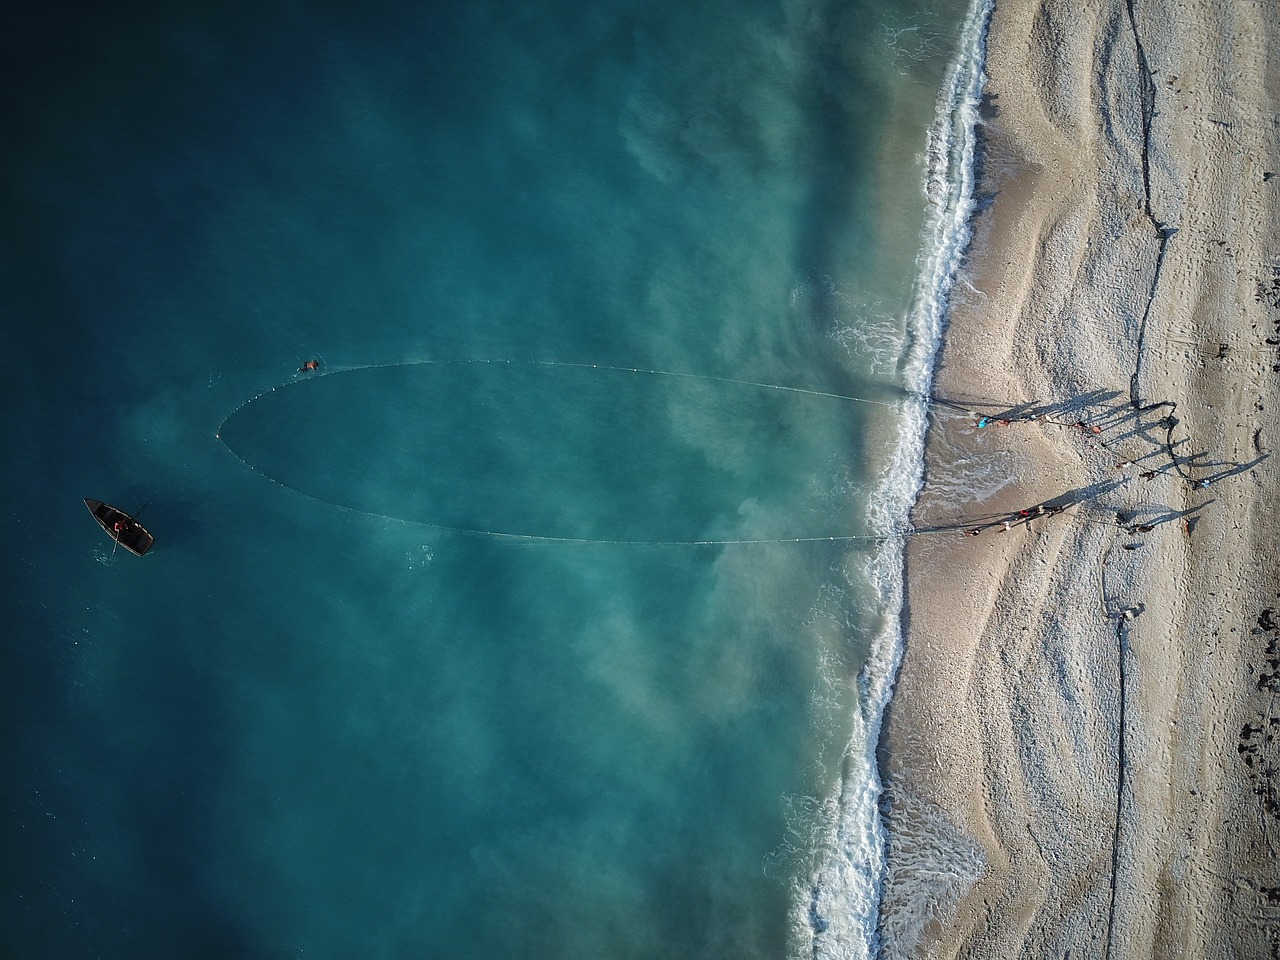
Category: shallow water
<point>297,730</point>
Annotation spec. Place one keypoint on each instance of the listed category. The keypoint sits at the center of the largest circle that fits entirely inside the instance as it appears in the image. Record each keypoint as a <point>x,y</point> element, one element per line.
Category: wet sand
<point>1081,755</point>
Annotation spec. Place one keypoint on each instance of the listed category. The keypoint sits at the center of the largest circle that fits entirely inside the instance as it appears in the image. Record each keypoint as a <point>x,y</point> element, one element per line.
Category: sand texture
<point>1080,759</point>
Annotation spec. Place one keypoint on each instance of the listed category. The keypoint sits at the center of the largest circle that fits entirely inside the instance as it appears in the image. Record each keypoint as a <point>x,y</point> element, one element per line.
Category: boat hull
<point>121,527</point>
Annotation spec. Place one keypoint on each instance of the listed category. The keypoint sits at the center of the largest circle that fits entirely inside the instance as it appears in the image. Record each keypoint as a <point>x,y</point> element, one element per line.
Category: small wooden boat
<point>121,527</point>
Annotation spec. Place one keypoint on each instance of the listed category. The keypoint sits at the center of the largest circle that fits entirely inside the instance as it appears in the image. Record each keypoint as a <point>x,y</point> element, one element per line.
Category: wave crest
<point>837,906</point>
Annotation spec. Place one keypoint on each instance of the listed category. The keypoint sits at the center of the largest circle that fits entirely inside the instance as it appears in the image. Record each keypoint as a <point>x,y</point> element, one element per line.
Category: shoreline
<point>1075,755</point>
<point>836,908</point>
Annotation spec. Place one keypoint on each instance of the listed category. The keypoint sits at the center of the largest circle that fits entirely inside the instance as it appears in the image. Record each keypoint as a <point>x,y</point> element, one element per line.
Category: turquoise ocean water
<point>555,261</point>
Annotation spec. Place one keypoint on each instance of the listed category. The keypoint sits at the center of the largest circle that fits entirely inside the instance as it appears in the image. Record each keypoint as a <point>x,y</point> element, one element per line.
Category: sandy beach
<point>1080,758</point>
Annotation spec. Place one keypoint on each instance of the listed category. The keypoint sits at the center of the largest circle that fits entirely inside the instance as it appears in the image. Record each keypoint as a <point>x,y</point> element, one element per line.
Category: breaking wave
<point>835,910</point>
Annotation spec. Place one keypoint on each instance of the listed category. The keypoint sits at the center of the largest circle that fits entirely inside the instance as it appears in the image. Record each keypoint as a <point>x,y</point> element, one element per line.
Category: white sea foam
<point>836,910</point>
<point>875,339</point>
<point>970,479</point>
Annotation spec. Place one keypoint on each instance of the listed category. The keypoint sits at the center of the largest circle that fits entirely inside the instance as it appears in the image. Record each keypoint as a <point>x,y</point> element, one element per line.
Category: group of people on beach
<point>1091,430</point>
<point>1092,433</point>
<point>1006,522</point>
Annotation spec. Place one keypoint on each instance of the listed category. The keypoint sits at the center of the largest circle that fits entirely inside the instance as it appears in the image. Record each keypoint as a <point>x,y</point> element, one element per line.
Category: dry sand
<point>1080,759</point>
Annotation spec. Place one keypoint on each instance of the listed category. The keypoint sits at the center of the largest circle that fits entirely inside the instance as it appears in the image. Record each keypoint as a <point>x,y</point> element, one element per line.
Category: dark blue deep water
<point>320,720</point>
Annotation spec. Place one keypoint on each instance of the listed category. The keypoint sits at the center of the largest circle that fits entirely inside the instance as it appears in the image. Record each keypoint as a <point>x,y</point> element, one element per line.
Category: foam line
<point>836,914</point>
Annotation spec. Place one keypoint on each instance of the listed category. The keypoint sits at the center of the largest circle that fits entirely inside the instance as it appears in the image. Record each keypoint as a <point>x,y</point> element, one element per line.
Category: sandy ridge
<point>1081,757</point>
